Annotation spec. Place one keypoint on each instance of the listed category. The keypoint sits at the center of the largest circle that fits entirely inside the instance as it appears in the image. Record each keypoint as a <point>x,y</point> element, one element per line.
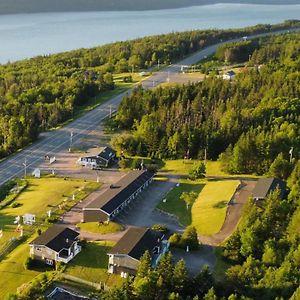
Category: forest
<point>40,93</point>
<point>34,6</point>
<point>250,123</point>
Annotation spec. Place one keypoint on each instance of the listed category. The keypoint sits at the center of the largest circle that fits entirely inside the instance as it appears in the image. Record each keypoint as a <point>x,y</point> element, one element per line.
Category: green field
<point>96,227</point>
<point>12,272</point>
<point>209,210</point>
<point>91,264</point>
<point>174,205</point>
<point>183,167</point>
<point>40,196</point>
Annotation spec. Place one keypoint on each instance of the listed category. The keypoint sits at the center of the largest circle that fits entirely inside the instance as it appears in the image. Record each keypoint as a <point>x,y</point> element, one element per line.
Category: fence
<point>98,286</point>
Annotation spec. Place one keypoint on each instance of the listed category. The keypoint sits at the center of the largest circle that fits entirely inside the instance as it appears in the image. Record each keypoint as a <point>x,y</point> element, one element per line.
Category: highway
<point>54,142</point>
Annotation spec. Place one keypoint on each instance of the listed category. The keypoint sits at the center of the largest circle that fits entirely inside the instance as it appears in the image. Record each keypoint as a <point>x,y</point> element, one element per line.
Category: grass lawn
<point>183,167</point>
<point>178,166</point>
<point>91,264</point>
<point>104,228</point>
<point>209,210</point>
<point>12,272</point>
<point>40,196</point>
<point>174,205</point>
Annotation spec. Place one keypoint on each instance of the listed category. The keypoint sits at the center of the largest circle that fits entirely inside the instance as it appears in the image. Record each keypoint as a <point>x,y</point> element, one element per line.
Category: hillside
<point>35,6</point>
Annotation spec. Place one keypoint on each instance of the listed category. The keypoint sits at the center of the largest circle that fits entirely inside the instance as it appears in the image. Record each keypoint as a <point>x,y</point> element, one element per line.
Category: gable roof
<point>264,186</point>
<point>119,192</point>
<point>56,238</point>
<point>107,153</point>
<point>136,241</point>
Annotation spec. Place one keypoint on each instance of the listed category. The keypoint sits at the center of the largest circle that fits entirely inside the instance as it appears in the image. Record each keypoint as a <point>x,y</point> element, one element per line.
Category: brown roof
<point>119,192</point>
<point>56,238</point>
<point>136,241</point>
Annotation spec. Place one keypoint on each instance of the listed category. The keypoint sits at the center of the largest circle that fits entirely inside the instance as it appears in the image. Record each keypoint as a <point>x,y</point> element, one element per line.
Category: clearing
<point>91,264</point>
<point>209,210</point>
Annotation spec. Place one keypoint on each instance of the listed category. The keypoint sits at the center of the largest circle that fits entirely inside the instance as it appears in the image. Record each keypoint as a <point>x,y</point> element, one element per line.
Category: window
<point>49,262</point>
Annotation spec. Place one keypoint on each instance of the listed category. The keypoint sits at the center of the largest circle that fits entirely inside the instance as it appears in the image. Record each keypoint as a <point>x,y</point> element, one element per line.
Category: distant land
<point>36,6</point>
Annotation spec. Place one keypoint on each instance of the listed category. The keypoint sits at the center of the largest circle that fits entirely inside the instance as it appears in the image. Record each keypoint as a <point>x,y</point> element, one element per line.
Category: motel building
<point>119,195</point>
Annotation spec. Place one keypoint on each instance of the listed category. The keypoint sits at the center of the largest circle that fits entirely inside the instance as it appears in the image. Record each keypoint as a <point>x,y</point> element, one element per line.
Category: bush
<point>83,243</point>
<point>198,171</point>
<point>52,219</point>
<point>152,168</point>
<point>29,263</point>
<point>16,204</point>
<point>160,228</point>
<point>175,240</point>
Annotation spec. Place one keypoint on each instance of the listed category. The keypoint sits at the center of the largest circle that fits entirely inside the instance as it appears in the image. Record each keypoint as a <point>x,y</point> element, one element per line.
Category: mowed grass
<point>209,210</point>
<point>96,227</point>
<point>12,272</point>
<point>40,196</point>
<point>183,167</point>
<point>176,206</point>
<point>91,264</point>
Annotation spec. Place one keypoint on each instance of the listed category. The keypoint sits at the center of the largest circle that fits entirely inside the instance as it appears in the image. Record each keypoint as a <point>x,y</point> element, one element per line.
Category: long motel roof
<point>119,192</point>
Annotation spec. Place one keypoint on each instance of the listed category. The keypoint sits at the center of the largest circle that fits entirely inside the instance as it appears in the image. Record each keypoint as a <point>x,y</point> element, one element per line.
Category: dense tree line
<point>42,92</point>
<point>265,250</point>
<point>249,120</point>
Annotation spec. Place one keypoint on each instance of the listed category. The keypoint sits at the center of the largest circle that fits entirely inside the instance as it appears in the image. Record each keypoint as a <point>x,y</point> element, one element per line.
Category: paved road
<point>55,142</point>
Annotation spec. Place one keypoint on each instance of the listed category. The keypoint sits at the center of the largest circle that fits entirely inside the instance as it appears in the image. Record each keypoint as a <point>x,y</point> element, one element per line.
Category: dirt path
<point>234,213</point>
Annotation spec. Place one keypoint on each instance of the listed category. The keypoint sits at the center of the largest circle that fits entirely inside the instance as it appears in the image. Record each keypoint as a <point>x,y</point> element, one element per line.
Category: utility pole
<point>25,168</point>
<point>71,140</point>
<point>110,111</point>
<point>291,154</point>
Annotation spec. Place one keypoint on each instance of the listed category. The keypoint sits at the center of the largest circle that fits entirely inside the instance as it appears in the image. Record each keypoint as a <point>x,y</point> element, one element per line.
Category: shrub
<point>16,204</point>
<point>52,219</point>
<point>160,227</point>
<point>175,240</point>
<point>29,263</point>
<point>198,171</point>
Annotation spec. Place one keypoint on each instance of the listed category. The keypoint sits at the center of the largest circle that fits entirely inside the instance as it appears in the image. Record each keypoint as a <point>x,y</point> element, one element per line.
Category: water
<point>28,35</point>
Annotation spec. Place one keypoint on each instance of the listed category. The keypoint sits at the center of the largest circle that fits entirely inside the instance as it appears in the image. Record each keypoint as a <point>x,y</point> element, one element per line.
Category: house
<point>229,75</point>
<point>265,186</point>
<point>101,159</point>
<point>109,204</point>
<point>56,244</point>
<point>124,257</point>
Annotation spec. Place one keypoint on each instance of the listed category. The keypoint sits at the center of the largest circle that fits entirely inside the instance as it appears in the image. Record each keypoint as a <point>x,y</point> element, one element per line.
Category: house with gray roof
<point>124,257</point>
<point>109,204</point>
<point>265,186</point>
<point>102,158</point>
<point>56,244</point>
